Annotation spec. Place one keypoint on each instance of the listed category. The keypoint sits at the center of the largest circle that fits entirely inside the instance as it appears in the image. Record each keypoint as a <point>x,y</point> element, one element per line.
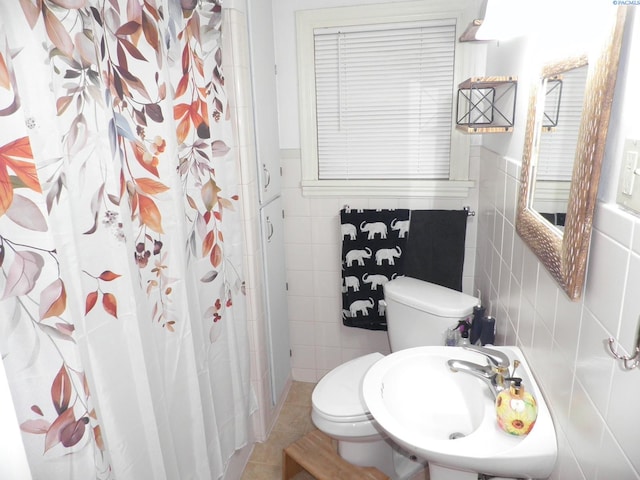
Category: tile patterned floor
<point>294,421</point>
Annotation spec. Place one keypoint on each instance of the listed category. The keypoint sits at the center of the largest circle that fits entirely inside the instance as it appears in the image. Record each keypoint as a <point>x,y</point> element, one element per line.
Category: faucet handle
<point>496,358</point>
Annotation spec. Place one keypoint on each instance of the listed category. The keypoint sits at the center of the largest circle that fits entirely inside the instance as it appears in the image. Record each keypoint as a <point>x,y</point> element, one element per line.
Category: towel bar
<point>471,213</point>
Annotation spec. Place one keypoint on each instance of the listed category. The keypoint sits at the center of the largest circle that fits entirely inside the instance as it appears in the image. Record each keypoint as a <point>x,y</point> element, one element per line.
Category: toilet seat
<point>338,407</point>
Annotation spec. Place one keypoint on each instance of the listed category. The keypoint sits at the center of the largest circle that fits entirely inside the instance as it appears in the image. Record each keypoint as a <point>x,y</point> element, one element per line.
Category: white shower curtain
<point>122,312</point>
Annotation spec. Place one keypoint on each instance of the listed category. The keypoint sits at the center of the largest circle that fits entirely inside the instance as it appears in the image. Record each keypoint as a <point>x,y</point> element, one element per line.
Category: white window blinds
<point>384,96</point>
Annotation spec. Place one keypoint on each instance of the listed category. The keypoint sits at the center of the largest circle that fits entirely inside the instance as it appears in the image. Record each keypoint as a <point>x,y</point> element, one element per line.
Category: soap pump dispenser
<point>465,327</point>
<point>516,409</point>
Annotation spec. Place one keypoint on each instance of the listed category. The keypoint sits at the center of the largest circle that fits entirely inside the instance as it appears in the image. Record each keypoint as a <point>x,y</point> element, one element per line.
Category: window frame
<point>458,184</point>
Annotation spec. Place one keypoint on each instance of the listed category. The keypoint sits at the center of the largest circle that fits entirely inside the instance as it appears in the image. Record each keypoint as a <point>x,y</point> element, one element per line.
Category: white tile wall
<point>592,399</point>
<point>319,340</point>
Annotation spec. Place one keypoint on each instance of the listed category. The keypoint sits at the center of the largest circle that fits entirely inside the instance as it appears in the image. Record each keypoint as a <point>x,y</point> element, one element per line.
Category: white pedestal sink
<point>449,418</point>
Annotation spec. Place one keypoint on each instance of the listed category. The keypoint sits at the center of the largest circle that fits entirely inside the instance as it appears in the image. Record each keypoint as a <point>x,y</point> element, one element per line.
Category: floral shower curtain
<point>122,316</point>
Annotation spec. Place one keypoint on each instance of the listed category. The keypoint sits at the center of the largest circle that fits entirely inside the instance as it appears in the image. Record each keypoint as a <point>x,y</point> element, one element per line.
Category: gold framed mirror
<point>564,251</point>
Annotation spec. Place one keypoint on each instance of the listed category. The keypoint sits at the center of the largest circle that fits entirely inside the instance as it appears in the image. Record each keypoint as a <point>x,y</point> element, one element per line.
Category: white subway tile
<point>635,244</point>
<point>605,279</point>
<point>291,172</point>
<point>326,334</point>
<point>584,431</point>
<point>567,328</point>
<point>297,230</point>
<point>546,298</point>
<point>295,205</point>
<point>558,386</point>
<point>304,375</point>
<point>328,309</point>
<point>508,236</point>
<point>325,207</point>
<point>623,416</point>
<point>299,257</point>
<point>500,192</point>
<point>566,465</point>
<point>300,283</point>
<point>505,283</point>
<point>613,462</point>
<point>328,358</point>
<point>631,306</point>
<point>512,191</point>
<point>303,356</point>
<point>302,333</point>
<point>526,323</point>
<point>326,230</point>
<point>541,359</point>
<point>326,257</point>
<point>594,366</point>
<point>530,268</point>
<point>327,284</point>
<point>300,308</point>
<point>613,222</point>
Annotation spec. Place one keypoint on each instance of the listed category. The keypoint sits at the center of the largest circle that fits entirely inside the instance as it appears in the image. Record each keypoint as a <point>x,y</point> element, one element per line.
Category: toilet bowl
<point>347,418</point>
<point>340,412</point>
<point>418,313</point>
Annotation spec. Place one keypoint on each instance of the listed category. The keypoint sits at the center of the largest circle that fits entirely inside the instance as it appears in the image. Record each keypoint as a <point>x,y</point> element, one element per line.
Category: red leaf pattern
<point>110,304</point>
<point>37,426</point>
<point>108,276</point>
<point>90,302</point>
<point>71,433</point>
<point>61,390</point>
<point>52,437</point>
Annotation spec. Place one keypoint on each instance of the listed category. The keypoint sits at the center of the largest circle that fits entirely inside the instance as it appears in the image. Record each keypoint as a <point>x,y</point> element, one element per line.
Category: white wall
<point>319,340</point>
<point>593,400</point>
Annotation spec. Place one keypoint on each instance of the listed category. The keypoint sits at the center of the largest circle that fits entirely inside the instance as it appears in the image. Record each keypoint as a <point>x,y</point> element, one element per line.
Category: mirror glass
<point>563,94</point>
<point>544,189</point>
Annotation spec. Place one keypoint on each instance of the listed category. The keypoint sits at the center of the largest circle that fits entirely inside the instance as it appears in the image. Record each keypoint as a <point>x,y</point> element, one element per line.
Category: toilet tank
<point>419,313</point>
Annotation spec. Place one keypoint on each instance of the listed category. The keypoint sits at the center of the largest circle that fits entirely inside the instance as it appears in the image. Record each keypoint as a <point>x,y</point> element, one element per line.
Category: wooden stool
<point>315,454</point>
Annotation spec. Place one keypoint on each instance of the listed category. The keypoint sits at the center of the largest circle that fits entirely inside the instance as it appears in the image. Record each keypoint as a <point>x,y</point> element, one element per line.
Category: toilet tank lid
<point>338,394</point>
<point>429,297</point>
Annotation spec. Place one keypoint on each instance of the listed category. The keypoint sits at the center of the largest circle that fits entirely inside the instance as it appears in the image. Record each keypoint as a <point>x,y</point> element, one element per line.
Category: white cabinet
<point>265,118</point>
<point>265,111</point>
<point>276,292</point>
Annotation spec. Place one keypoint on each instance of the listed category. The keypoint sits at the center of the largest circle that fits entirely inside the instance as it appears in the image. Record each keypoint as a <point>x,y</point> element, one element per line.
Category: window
<point>376,105</point>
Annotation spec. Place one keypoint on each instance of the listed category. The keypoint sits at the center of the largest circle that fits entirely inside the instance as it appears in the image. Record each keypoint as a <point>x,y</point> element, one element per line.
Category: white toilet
<point>418,314</point>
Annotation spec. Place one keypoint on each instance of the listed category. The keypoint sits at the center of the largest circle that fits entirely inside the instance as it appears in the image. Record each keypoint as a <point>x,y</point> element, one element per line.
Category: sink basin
<point>449,418</point>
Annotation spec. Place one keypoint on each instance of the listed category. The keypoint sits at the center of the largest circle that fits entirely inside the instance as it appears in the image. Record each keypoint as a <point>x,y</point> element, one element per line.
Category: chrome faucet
<point>493,373</point>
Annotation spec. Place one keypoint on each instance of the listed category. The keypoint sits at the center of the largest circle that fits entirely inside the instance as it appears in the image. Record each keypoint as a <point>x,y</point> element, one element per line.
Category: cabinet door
<point>265,107</point>
<point>276,296</point>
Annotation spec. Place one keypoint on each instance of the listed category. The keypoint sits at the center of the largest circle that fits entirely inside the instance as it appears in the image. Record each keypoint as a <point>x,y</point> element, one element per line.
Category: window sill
<point>388,188</point>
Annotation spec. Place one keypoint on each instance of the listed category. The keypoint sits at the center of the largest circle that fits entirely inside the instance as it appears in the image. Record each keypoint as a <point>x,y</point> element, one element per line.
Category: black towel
<point>435,247</point>
<point>373,242</point>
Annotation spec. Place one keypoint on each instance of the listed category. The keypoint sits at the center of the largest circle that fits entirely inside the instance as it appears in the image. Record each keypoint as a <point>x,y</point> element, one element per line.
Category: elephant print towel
<point>372,246</point>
